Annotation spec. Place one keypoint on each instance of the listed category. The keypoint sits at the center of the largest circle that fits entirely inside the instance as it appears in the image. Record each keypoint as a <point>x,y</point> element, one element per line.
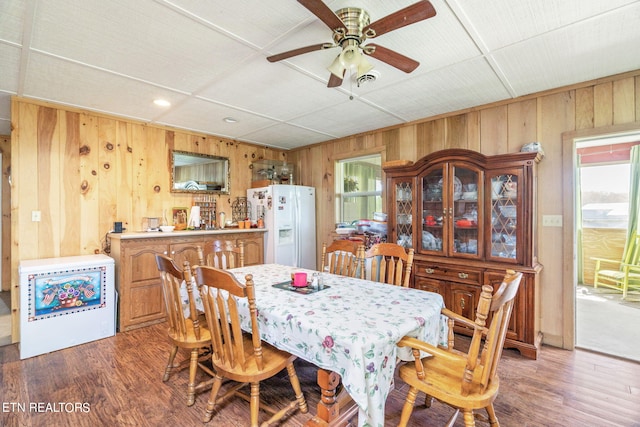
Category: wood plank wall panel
<point>85,170</point>
<point>522,125</point>
<point>494,130</point>
<point>605,243</point>
<point>584,108</point>
<point>5,150</point>
<point>623,100</point>
<point>603,104</point>
<point>504,127</point>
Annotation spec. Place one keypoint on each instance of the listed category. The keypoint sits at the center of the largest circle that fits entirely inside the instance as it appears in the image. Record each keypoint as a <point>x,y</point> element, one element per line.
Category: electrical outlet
<point>552,220</point>
<point>36,216</point>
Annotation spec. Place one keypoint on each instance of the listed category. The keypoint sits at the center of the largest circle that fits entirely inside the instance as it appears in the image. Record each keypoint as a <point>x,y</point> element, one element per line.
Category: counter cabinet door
<point>140,294</point>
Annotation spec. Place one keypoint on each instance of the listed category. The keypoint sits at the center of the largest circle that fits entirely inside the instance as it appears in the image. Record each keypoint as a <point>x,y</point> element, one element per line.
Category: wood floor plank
<point>119,382</point>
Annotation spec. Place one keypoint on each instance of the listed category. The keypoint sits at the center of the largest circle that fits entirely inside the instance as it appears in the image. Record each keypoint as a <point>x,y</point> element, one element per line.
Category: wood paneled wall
<point>5,151</point>
<point>83,171</point>
<point>596,107</point>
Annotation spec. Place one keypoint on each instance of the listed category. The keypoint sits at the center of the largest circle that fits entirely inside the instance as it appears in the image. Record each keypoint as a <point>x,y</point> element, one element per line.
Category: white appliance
<point>65,302</point>
<point>289,214</point>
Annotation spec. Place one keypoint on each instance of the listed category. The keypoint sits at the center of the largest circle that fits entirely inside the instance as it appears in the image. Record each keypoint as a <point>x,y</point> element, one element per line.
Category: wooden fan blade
<point>322,11</point>
<point>391,57</point>
<point>409,15</point>
<point>299,51</point>
<point>334,81</point>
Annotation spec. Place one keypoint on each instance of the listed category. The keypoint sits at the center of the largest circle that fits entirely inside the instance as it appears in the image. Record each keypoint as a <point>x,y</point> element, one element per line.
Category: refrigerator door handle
<point>296,230</point>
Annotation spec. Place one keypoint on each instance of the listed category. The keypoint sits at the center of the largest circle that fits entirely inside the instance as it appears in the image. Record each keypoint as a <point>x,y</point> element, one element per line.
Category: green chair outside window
<point>620,275</point>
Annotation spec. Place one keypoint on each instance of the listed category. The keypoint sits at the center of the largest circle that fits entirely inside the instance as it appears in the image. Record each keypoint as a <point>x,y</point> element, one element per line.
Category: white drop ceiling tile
<point>349,117</point>
<point>204,116</point>
<point>242,19</point>
<point>68,83</point>
<point>271,89</point>
<point>12,14</point>
<point>285,136</point>
<point>9,67</point>
<point>503,22</point>
<point>449,89</point>
<point>142,39</point>
<point>587,51</point>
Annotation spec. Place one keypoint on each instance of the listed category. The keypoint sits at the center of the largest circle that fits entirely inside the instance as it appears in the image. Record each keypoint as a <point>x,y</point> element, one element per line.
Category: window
<point>358,188</point>
<point>605,195</point>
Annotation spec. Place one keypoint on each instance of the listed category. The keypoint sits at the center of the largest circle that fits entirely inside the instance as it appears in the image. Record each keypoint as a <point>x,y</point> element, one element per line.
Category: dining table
<point>349,328</point>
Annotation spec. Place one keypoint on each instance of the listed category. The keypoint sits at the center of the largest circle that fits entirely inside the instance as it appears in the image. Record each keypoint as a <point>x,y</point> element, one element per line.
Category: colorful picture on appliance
<point>60,293</point>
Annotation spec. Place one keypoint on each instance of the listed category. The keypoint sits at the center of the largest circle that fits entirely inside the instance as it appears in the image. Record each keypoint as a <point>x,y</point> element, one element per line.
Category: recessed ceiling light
<point>162,102</point>
<point>230,120</point>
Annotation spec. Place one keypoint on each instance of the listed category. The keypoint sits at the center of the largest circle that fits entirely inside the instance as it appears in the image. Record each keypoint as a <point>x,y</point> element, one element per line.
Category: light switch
<point>36,216</point>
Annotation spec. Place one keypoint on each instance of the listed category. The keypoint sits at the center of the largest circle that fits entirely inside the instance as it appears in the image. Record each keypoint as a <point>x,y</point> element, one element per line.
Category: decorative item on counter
<point>180,218</point>
<point>222,219</point>
<point>240,209</point>
<point>194,218</point>
<point>260,223</point>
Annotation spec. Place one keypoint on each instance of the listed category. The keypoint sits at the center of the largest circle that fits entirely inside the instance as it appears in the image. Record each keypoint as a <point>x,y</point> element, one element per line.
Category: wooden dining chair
<point>239,356</point>
<point>223,254</point>
<point>465,381</point>
<point>186,329</point>
<point>389,263</point>
<point>343,257</point>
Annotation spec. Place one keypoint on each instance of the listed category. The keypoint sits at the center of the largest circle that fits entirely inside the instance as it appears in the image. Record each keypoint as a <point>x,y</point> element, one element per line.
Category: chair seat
<point>443,380</point>
<point>273,359</point>
<point>618,275</point>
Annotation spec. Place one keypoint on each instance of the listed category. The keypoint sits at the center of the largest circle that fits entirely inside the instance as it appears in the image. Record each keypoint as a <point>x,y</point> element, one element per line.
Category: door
<point>284,233</point>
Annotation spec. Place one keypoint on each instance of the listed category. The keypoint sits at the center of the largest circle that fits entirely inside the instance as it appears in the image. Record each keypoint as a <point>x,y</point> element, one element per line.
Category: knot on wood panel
<point>94,172</point>
<point>84,186</point>
<point>109,146</point>
<point>107,166</point>
<point>85,150</point>
<point>129,149</point>
<point>156,188</point>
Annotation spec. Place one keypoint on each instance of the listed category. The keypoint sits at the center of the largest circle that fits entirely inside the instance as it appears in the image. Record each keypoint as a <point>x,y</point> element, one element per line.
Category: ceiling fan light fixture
<point>337,68</point>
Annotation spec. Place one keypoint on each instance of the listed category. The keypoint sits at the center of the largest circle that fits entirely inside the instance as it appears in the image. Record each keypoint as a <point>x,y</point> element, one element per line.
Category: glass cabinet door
<point>466,211</point>
<point>404,213</point>
<point>505,217</point>
<point>433,211</point>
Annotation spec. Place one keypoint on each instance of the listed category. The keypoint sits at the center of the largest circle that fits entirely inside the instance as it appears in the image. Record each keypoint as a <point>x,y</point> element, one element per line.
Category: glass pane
<point>605,196</point>
<point>432,211</point>
<point>465,211</point>
<point>360,207</point>
<point>358,188</point>
<point>404,197</point>
<point>504,216</point>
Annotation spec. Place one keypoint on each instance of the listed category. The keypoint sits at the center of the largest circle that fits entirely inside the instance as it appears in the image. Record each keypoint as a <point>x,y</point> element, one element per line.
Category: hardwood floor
<point>117,382</point>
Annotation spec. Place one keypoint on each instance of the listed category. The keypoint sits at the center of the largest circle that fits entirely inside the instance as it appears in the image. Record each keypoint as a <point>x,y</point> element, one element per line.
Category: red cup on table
<point>299,279</point>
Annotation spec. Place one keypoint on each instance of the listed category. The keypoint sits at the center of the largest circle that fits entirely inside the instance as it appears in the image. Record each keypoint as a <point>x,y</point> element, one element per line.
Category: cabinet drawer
<point>452,273</point>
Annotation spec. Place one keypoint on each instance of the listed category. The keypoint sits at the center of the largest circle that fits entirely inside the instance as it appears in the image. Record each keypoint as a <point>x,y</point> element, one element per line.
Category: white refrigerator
<point>289,214</point>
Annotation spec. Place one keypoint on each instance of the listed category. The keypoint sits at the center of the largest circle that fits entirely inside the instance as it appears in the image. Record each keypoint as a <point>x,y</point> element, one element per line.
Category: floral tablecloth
<point>350,328</point>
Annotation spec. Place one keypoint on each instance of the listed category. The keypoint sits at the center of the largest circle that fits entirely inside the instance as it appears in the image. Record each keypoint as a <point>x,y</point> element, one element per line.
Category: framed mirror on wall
<point>199,173</point>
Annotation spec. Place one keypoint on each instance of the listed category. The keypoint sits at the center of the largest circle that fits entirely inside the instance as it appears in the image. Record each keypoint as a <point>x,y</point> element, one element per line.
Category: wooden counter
<point>140,299</point>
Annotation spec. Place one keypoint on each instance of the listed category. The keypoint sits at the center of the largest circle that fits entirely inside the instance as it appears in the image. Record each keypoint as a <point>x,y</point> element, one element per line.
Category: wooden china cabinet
<point>470,217</point>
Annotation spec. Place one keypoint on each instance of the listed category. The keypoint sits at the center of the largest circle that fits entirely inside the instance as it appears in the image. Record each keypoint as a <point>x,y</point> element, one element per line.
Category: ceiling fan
<point>351,27</point>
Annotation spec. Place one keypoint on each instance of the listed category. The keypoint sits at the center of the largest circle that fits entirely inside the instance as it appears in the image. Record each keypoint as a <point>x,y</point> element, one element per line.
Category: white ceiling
<point>207,58</point>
